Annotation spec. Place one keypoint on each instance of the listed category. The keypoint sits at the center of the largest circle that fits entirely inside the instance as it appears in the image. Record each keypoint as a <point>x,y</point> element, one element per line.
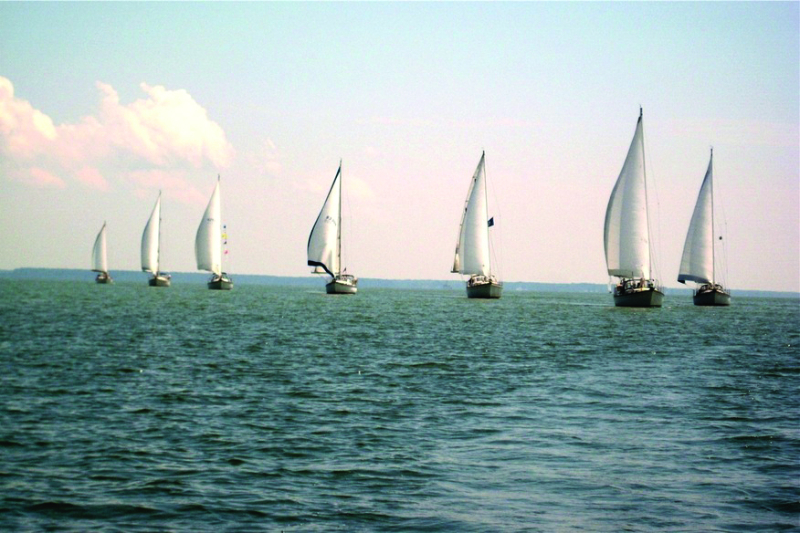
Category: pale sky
<point>104,104</point>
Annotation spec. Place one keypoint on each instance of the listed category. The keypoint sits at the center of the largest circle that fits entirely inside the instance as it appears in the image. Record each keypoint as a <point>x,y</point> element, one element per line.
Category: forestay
<point>323,242</point>
<point>697,263</point>
<point>472,252</point>
<point>208,241</point>
<point>150,236</point>
<point>627,239</point>
<point>99,255</point>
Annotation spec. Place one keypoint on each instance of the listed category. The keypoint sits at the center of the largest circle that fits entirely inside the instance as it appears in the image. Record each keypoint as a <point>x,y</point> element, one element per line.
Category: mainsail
<point>324,242</point>
<point>208,241</point>
<point>99,255</point>
<point>472,251</point>
<point>697,263</point>
<point>626,234</point>
<point>150,239</point>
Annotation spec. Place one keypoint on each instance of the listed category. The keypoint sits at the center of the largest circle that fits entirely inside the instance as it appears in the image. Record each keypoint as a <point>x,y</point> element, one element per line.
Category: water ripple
<point>281,409</point>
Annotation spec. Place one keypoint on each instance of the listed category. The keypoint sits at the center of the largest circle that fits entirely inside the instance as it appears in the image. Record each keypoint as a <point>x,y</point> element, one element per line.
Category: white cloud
<point>23,129</point>
<point>166,131</point>
<point>167,126</point>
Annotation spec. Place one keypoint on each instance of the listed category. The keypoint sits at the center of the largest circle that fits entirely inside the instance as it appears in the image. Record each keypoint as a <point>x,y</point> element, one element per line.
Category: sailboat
<point>325,242</point>
<point>100,259</point>
<point>472,251</point>
<point>151,248</point>
<point>208,244</point>
<point>698,261</point>
<point>627,232</point>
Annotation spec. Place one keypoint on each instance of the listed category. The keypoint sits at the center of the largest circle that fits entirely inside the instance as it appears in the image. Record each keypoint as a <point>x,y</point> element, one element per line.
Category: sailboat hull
<point>338,286</point>
<point>491,290</point>
<point>103,279</point>
<point>645,298</point>
<point>159,281</point>
<point>221,284</point>
<point>713,297</point>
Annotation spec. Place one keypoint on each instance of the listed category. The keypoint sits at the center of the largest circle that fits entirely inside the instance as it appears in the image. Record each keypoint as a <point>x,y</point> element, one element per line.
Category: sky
<point>103,105</point>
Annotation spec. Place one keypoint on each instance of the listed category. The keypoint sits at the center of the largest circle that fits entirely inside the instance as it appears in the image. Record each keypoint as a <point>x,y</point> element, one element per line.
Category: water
<point>127,408</point>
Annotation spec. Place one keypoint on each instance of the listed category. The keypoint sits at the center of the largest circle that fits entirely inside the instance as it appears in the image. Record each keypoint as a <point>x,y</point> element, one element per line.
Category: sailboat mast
<point>339,225</point>
<point>646,202</point>
<point>104,258</point>
<point>486,202</point>
<point>158,247</point>
<point>713,233</point>
<point>219,224</point>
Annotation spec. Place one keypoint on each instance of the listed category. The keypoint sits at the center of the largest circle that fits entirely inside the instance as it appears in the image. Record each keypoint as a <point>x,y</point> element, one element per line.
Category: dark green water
<point>126,408</point>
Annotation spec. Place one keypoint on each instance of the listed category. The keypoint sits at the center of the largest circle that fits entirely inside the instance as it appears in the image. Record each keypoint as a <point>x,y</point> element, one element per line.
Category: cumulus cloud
<point>24,130</point>
<point>164,133</point>
<point>166,127</point>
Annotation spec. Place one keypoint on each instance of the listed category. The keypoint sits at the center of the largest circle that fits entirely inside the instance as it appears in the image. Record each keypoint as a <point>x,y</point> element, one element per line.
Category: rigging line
<point>654,252</point>
<point>226,257</point>
<point>723,237</point>
<point>159,257</point>
<point>496,250</point>
<point>348,215</point>
<point>459,249</point>
<point>339,224</point>
<point>716,275</point>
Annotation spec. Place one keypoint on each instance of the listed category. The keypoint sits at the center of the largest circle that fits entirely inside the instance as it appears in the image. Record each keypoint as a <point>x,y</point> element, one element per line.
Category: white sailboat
<point>698,260</point>
<point>151,248</point>
<point>627,232</point>
<point>325,242</point>
<point>100,257</point>
<point>208,244</point>
<point>472,251</point>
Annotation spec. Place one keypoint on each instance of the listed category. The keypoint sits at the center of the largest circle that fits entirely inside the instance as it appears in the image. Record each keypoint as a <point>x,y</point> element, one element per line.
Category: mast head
<point>640,111</point>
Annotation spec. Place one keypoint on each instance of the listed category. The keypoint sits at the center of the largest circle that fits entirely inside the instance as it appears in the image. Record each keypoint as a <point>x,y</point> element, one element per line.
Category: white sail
<point>626,234</point>
<point>324,247</point>
<point>697,263</point>
<point>472,252</point>
<point>150,239</point>
<point>99,254</point>
<point>208,241</point>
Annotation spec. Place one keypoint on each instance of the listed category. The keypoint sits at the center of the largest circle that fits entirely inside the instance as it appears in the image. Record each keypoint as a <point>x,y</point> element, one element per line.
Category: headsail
<point>150,239</point>
<point>626,233</point>
<point>697,263</point>
<point>99,255</point>
<point>472,252</point>
<point>208,240</point>
<point>324,240</point>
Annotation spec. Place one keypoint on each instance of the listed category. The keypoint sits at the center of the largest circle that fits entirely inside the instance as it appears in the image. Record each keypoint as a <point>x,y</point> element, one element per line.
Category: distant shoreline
<point>71,274</point>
